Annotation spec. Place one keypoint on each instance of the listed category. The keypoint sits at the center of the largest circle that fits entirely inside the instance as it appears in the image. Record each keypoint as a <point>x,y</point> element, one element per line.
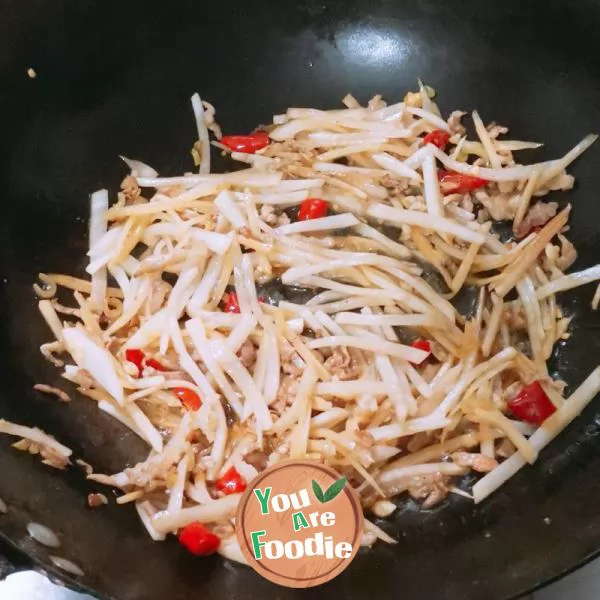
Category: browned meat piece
<point>258,459</point>
<point>477,462</point>
<point>454,122</point>
<point>538,215</point>
<point>430,488</point>
<point>96,500</point>
<point>247,354</point>
<point>48,389</point>
<point>341,364</point>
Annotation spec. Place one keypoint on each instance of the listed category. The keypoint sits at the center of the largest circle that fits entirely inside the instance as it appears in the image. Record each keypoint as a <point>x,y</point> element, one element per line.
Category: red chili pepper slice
<point>198,540</point>
<point>231,303</point>
<point>422,345</point>
<point>312,208</point>
<point>458,183</point>
<point>532,404</point>
<point>246,143</point>
<point>135,356</point>
<point>152,362</point>
<point>231,482</point>
<point>188,398</point>
<point>438,138</point>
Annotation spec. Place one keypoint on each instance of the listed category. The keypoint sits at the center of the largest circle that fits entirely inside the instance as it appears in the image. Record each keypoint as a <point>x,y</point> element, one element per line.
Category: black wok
<point>116,77</point>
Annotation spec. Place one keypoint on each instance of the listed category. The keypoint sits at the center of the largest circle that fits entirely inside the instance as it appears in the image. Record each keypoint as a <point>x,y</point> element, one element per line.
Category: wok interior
<point>116,80</point>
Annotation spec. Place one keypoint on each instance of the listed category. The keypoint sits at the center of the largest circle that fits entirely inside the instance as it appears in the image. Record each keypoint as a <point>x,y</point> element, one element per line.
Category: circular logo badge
<point>299,523</point>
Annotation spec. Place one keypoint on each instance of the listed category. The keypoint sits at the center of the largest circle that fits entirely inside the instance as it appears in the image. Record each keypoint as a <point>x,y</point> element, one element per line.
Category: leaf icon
<point>334,489</point>
<point>318,491</point>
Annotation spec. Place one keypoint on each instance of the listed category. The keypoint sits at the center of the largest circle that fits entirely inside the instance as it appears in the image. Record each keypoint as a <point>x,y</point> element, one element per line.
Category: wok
<point>115,78</point>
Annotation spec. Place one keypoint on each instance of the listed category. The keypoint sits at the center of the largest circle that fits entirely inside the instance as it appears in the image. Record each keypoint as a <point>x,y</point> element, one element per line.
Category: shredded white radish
<point>240,332</point>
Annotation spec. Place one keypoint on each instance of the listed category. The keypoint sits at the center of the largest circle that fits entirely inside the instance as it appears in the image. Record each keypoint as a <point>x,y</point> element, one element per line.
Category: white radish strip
<point>348,150</point>
<point>389,113</point>
<point>383,296</point>
<point>496,419</point>
<point>525,200</point>
<point>346,170</point>
<point>52,318</point>
<point>284,198</point>
<point>373,345</point>
<point>427,292</point>
<point>120,416</point>
<point>571,408</point>
<point>329,140</point>
<point>320,224</point>
<point>351,318</point>
<point>149,331</point>
<point>401,216</point>
<point>431,185</point>
<point>396,475</point>
<point>219,510</point>
<point>354,259</point>
<point>568,282</point>
<point>298,439</point>
<point>255,402</point>
<point>272,375</point>
<point>99,363</point>
<point>326,296</point>
<point>105,245</point>
<point>394,391</point>
<point>259,371</point>
<point>145,427</point>
<point>388,162</point>
<point>207,284</point>
<point>198,492</point>
<point>559,165</point>
<point>120,276</point>
<point>392,246</point>
<point>416,159</point>
<point>330,326</point>
<point>517,173</point>
<point>35,435</point>
<point>294,185</point>
<point>385,433</point>
<point>247,279</point>
<point>241,332</point>
<point>330,418</point>
<point>230,549</point>
<point>218,320</point>
<point>189,365</point>
<point>247,178</point>
<point>312,322</point>
<point>493,326</point>
<point>381,452</point>
<point>350,389</point>
<point>146,511</point>
<point>217,242</point>
<point>177,491</point>
<point>98,226</point>
<point>515,271</point>
<point>202,134</point>
<point>470,374</point>
<point>330,115</point>
<point>415,378</point>
<point>255,160</point>
<point>429,117</point>
<point>533,314</point>
<point>138,168</point>
<point>486,141</point>
<point>227,206</point>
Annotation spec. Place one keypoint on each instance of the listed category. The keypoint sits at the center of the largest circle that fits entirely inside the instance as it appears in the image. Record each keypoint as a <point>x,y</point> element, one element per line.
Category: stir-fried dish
<point>305,306</point>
